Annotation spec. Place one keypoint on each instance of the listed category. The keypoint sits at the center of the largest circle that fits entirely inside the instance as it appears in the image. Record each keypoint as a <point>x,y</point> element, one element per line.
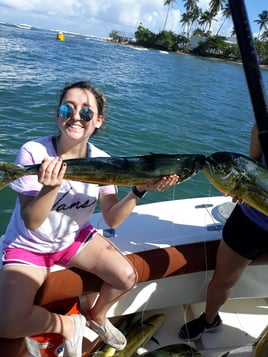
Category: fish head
<point>224,170</point>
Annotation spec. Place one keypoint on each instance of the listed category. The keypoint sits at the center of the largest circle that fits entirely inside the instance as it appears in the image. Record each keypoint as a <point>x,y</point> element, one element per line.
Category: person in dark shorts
<point>244,238</point>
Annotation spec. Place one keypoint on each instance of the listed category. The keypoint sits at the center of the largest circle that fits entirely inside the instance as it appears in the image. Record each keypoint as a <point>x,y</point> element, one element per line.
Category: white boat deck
<point>243,322</point>
<point>169,223</point>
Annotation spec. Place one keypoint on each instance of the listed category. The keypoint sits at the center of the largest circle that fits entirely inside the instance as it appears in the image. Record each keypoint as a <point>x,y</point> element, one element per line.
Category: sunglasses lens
<point>66,111</point>
<point>86,114</point>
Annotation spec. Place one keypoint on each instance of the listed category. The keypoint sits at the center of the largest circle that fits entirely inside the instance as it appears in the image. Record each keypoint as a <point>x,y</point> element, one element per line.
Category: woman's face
<point>78,114</point>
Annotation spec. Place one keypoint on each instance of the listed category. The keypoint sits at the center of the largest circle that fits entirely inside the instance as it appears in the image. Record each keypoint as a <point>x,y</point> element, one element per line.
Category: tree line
<point>196,24</point>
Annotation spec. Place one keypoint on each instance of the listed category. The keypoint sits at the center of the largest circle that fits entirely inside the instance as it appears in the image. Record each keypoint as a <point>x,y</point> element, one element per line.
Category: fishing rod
<point>252,70</point>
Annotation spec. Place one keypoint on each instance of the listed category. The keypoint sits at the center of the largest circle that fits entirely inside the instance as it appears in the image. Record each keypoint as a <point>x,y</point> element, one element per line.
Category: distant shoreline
<point>210,57</point>
<point>215,58</point>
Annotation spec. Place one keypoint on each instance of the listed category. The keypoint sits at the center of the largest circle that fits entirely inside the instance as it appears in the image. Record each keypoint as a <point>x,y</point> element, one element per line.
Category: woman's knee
<point>129,277</point>
<point>133,278</point>
<point>218,283</point>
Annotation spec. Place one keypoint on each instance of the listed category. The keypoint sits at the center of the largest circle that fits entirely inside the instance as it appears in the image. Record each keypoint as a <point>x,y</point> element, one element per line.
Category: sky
<point>100,17</point>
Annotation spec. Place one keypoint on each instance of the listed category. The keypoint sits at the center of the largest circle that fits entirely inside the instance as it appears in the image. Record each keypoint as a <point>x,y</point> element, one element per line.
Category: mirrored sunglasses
<point>67,111</point>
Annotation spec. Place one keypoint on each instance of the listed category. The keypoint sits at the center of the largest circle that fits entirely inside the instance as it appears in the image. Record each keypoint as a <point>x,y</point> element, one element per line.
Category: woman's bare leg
<point>19,316</point>
<point>229,268</point>
<point>103,259</point>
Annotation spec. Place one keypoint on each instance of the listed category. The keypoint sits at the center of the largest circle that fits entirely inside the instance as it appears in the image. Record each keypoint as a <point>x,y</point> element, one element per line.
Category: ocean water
<point>157,102</point>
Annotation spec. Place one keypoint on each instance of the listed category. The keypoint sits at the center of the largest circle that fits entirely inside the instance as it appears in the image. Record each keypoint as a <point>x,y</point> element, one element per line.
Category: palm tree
<point>186,22</point>
<point>206,19</point>
<point>216,5</point>
<point>264,35</point>
<point>194,15</point>
<point>190,4</point>
<point>191,15</point>
<point>168,3</point>
<point>262,21</point>
<point>226,13</point>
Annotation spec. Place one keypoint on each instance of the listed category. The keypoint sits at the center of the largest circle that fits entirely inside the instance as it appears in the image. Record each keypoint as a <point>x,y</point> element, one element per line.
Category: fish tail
<point>9,172</point>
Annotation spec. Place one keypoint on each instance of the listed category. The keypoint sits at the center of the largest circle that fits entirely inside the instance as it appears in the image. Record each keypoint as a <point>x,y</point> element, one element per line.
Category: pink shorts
<point>48,260</point>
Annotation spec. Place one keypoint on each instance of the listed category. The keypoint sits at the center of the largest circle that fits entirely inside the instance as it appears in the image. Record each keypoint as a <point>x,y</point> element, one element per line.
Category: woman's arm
<point>255,150</point>
<point>115,211</point>
<point>255,153</point>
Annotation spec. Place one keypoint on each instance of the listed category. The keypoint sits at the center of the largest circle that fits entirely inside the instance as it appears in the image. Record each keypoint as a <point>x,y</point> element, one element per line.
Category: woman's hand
<point>235,199</point>
<point>51,172</point>
<point>160,185</point>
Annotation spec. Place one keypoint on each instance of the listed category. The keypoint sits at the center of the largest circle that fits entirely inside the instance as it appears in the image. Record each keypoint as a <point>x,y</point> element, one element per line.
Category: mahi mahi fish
<point>121,171</point>
<point>261,345</point>
<point>139,333</point>
<point>237,175</point>
<point>176,350</point>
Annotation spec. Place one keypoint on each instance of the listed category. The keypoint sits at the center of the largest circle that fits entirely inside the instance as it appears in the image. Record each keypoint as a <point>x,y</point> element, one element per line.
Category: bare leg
<point>229,268</point>
<point>103,259</point>
<point>19,317</point>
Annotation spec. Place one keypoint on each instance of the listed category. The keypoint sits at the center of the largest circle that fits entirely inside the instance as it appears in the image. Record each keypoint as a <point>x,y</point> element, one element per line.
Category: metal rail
<point>252,70</point>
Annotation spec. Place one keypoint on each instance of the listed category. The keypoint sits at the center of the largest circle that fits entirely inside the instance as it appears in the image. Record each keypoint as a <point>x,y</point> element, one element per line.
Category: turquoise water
<point>160,103</point>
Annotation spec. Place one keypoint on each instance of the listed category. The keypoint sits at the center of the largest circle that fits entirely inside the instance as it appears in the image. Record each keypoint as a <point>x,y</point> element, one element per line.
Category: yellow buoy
<point>60,36</point>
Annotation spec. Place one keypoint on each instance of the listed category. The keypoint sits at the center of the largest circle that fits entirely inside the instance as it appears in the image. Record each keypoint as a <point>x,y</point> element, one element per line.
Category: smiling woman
<point>50,225</point>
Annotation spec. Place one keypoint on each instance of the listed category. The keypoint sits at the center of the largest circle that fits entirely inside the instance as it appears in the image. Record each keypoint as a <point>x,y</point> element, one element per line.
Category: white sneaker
<point>109,334</point>
<point>73,347</point>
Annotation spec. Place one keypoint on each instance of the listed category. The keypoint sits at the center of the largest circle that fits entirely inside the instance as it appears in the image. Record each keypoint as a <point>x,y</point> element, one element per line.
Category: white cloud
<point>91,16</point>
<point>99,17</point>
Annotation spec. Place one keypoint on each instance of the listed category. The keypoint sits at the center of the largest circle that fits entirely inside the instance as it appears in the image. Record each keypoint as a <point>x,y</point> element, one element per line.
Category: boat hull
<point>173,247</point>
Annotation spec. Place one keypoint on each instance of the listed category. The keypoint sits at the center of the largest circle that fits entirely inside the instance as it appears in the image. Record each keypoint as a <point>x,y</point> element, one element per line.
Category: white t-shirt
<point>73,206</point>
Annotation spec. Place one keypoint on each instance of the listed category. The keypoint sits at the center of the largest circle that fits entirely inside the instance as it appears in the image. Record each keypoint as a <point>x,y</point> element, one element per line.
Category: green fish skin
<point>141,332</point>
<point>121,171</point>
<point>237,175</point>
<point>260,346</point>
<point>177,350</point>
